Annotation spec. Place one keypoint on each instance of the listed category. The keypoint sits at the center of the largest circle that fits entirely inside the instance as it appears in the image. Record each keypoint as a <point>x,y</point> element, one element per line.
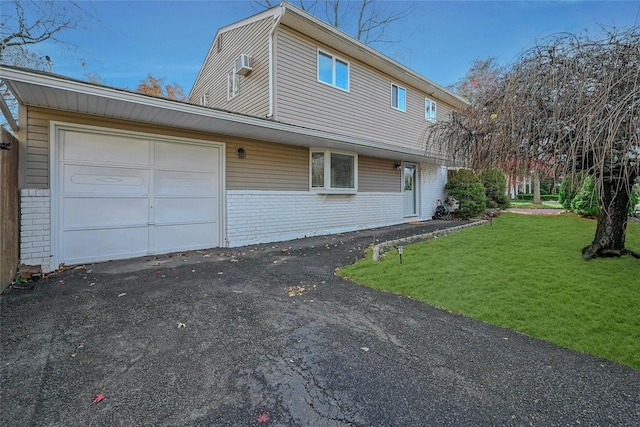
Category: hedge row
<point>543,197</point>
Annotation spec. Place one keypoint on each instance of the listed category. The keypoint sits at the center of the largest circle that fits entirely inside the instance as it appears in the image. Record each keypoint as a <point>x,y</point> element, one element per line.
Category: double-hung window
<point>233,85</point>
<point>333,70</point>
<point>333,171</point>
<point>429,109</point>
<point>398,97</point>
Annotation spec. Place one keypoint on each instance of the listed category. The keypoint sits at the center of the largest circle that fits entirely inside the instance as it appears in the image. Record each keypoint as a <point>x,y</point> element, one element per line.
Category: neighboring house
<point>322,135</point>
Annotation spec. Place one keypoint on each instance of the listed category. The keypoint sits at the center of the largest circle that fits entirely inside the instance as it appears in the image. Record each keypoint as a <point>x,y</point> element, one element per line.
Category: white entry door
<point>125,195</point>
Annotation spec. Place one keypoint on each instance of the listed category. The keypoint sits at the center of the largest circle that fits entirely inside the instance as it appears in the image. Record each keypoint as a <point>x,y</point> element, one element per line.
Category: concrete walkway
<point>269,335</point>
<point>535,211</point>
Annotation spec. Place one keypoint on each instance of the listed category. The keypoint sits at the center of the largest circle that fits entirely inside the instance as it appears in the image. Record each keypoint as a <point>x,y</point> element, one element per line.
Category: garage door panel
<point>185,157</point>
<point>100,148</point>
<point>104,244</point>
<point>122,196</point>
<point>105,180</point>
<point>185,237</point>
<point>105,212</point>
<point>184,209</point>
<point>185,183</point>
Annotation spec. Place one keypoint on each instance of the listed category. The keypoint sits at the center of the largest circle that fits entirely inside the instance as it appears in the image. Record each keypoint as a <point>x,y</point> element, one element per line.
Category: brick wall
<point>433,178</point>
<point>35,228</point>
<point>269,216</point>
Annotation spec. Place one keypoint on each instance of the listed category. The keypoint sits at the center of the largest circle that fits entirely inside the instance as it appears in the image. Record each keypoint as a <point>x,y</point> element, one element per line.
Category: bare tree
<point>571,103</point>
<point>366,20</point>
<point>34,22</point>
<point>30,23</point>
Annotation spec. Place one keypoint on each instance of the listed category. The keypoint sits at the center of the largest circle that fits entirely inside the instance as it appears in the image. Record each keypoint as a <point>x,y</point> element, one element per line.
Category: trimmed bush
<point>495,185</point>
<point>466,188</point>
<point>586,201</point>
<point>543,197</point>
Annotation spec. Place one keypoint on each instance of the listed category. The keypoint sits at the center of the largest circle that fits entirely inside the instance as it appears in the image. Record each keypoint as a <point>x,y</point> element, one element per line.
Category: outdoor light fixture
<point>398,166</point>
<point>400,252</point>
<point>242,153</point>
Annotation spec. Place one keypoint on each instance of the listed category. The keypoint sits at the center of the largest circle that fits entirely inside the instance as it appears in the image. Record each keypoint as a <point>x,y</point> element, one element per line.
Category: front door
<point>409,190</point>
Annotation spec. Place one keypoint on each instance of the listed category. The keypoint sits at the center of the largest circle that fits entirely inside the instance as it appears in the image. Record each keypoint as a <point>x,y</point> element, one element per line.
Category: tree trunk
<point>612,223</point>
<point>536,188</point>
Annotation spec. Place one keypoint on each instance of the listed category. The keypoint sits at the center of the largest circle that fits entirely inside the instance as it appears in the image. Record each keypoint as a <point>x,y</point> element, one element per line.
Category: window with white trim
<point>398,97</point>
<point>203,99</point>
<point>233,85</point>
<point>333,171</point>
<point>429,109</point>
<point>333,70</point>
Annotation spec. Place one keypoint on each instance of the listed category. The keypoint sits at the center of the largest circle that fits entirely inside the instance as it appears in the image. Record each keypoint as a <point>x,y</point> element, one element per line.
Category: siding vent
<point>243,65</point>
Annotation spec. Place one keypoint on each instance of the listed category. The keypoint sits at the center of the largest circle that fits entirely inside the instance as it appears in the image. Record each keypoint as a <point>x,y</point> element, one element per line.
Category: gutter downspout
<point>272,76</point>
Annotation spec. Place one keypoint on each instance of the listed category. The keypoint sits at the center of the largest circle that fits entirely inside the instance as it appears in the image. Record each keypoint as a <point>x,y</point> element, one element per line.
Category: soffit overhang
<point>50,91</point>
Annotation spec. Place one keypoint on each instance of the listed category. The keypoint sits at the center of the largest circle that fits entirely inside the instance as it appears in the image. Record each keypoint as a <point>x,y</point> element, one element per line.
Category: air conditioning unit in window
<point>243,65</point>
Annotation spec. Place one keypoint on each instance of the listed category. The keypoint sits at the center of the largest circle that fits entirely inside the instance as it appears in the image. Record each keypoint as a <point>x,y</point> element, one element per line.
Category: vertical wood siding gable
<point>253,98</point>
<point>364,111</point>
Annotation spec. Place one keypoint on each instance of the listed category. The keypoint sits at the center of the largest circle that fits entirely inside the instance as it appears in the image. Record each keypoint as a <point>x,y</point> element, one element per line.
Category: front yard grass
<point>525,273</point>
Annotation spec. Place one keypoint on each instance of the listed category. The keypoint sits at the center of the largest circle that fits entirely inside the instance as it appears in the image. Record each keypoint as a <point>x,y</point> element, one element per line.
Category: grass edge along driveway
<point>525,273</point>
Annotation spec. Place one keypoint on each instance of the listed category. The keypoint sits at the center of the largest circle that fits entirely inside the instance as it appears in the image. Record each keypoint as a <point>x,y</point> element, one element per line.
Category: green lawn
<point>525,273</point>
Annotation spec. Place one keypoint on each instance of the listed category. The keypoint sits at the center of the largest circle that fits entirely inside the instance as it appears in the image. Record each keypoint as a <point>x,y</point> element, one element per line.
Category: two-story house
<point>295,129</point>
<point>288,66</point>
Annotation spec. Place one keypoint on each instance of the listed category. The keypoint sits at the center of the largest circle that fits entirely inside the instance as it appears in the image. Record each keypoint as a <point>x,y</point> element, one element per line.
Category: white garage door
<point>126,195</point>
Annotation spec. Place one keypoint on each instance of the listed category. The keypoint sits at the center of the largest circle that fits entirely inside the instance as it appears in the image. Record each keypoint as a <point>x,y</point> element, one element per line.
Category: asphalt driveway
<point>269,335</point>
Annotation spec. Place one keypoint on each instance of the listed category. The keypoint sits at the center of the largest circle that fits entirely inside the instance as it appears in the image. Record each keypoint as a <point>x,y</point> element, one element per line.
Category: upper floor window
<point>333,171</point>
<point>233,85</point>
<point>333,71</point>
<point>429,109</point>
<point>203,99</point>
<point>398,97</point>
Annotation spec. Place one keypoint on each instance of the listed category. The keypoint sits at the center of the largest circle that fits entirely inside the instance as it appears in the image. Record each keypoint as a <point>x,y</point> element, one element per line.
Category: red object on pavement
<point>98,398</point>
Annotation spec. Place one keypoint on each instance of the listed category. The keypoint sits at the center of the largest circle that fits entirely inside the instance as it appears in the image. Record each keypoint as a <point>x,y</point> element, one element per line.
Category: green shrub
<point>495,185</point>
<point>570,186</point>
<point>586,201</point>
<point>466,188</point>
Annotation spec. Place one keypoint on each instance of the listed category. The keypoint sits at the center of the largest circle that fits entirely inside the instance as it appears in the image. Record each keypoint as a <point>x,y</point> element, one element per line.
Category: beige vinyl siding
<point>378,175</point>
<point>253,99</point>
<point>267,166</point>
<point>365,111</point>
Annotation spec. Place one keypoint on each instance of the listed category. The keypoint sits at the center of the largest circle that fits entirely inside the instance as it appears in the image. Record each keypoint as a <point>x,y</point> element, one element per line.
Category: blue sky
<point>439,40</point>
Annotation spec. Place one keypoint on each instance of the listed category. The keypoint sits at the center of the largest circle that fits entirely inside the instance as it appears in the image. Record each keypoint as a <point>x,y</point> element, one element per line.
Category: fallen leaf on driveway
<point>122,294</point>
<point>263,417</point>
<point>98,398</point>
<point>293,291</point>
<point>364,348</point>
<point>181,325</point>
